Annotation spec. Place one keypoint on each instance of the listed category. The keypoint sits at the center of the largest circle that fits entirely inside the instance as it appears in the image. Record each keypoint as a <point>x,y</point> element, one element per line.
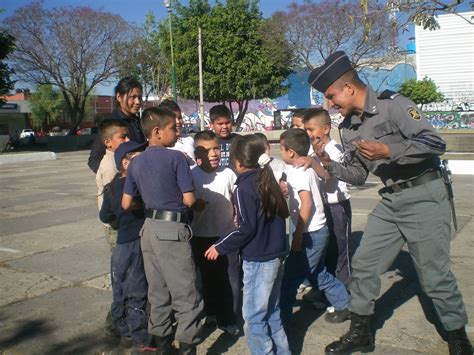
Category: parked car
<point>26,133</point>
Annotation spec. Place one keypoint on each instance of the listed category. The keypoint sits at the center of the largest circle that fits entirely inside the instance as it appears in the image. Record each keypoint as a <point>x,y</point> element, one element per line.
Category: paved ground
<point>54,282</point>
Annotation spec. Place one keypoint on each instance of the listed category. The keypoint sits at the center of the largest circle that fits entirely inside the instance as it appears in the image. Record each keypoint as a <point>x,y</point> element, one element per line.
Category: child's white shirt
<point>298,180</point>
<point>334,189</point>
<point>217,218</point>
<point>186,145</point>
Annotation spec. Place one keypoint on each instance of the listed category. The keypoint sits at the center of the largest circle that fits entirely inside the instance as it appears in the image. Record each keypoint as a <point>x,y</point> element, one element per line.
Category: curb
<point>26,157</point>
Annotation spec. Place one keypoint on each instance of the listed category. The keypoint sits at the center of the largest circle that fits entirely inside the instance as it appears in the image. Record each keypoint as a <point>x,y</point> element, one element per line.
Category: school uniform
<point>337,208</point>
<point>217,219</point>
<point>263,247</point>
<point>129,285</point>
<point>309,262</point>
<point>161,176</point>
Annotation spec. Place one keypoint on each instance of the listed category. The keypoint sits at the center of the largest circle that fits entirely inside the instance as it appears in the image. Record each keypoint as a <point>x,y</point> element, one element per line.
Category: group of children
<point>192,227</point>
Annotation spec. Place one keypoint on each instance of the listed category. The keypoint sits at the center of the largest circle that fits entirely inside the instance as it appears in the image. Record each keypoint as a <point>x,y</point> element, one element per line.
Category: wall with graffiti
<point>451,120</point>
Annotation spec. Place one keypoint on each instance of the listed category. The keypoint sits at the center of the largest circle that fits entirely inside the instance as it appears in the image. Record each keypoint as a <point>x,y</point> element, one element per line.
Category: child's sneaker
<point>231,329</point>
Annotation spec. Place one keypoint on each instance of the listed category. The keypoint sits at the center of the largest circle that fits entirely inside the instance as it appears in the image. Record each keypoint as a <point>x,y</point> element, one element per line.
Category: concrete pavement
<point>55,289</point>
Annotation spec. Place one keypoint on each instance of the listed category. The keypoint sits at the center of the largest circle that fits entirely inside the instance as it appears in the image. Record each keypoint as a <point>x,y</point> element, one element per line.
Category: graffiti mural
<point>451,120</point>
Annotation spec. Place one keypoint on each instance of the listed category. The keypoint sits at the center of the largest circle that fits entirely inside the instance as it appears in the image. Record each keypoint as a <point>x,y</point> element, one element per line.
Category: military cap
<point>322,77</point>
<point>125,148</point>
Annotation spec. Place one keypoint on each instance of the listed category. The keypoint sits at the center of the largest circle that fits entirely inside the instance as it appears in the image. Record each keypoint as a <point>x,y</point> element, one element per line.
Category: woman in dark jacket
<point>128,101</point>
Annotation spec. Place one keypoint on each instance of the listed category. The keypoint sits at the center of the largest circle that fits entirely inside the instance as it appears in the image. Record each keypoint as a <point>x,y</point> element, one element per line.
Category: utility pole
<point>173,69</point>
<point>201,92</point>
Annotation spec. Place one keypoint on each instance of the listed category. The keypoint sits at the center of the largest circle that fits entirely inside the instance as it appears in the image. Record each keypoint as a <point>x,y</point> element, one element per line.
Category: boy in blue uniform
<point>129,285</point>
<point>163,179</point>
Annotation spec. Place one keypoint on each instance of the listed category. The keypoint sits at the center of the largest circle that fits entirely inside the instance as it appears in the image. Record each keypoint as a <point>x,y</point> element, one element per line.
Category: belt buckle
<point>396,188</point>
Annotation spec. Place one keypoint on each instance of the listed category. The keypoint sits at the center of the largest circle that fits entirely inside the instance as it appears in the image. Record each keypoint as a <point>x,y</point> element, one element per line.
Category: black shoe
<point>164,345</point>
<point>187,349</point>
<point>337,316</point>
<point>358,338</point>
<point>459,343</point>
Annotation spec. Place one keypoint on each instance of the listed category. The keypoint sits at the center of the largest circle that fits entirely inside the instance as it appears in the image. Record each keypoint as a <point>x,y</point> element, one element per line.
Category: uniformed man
<point>388,136</point>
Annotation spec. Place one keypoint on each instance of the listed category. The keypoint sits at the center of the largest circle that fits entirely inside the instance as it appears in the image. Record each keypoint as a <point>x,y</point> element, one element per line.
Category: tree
<point>242,59</point>
<point>146,60</point>
<point>7,45</point>
<point>423,13</point>
<point>316,30</point>
<point>46,106</point>
<point>73,49</point>
<point>421,92</point>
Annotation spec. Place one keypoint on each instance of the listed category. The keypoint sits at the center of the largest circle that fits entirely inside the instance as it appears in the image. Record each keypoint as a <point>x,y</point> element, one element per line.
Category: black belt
<point>423,179</point>
<point>167,216</point>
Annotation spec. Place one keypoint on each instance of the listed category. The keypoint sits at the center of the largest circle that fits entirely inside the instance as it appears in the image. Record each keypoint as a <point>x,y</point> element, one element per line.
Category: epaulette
<point>388,94</point>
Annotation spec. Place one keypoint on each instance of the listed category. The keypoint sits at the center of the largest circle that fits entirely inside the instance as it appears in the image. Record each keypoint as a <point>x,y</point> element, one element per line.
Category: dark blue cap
<point>322,77</point>
<point>127,147</point>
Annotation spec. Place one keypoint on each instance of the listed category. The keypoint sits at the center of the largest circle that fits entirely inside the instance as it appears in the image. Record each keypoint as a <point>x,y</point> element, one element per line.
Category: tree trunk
<point>243,106</point>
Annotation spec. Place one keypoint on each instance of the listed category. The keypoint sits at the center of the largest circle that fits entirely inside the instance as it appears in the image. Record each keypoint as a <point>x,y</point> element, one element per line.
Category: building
<point>14,113</point>
<point>446,56</point>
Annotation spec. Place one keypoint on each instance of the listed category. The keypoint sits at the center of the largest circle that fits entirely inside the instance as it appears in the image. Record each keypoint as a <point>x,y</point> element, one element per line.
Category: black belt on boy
<point>167,216</point>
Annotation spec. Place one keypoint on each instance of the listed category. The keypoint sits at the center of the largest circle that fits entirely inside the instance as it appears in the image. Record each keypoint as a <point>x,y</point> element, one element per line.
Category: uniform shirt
<point>414,144</point>
<point>258,238</point>
<point>215,188</point>
<point>135,134</point>
<point>106,172</point>
<point>186,145</point>
<point>160,176</point>
<point>127,222</point>
<point>334,190</point>
<point>298,180</point>
<point>225,144</point>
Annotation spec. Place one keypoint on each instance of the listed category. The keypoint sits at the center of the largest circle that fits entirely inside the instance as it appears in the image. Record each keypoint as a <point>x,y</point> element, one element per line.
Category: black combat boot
<point>358,338</point>
<point>187,349</point>
<point>164,345</point>
<point>458,342</point>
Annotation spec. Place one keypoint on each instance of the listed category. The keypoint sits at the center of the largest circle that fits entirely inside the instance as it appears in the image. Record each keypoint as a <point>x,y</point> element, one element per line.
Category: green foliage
<point>421,92</point>
<point>7,45</point>
<point>242,58</point>
<point>46,106</point>
<point>146,60</point>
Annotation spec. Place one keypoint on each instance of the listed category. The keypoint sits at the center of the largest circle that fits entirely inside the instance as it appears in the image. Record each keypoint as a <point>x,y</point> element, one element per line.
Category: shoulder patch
<point>413,113</point>
<point>388,94</point>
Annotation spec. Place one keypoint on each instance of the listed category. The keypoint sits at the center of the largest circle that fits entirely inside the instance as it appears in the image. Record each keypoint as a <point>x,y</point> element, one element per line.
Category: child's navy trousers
<point>129,288</point>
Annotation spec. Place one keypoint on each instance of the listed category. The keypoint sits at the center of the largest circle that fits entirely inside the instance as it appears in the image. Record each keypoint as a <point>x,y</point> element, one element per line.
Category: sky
<point>131,10</point>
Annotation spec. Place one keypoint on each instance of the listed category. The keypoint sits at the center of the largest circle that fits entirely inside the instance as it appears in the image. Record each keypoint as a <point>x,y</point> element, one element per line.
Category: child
<point>337,206</point>
<point>129,285</point>
<point>260,237</point>
<point>163,179</point>
<point>221,123</point>
<point>184,143</point>
<point>278,166</point>
<point>214,185</point>
<point>113,132</point>
<point>306,259</point>
<point>297,118</point>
